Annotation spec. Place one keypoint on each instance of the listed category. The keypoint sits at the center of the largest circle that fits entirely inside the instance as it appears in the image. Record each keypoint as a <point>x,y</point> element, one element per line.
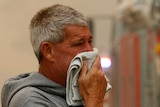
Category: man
<point>58,34</point>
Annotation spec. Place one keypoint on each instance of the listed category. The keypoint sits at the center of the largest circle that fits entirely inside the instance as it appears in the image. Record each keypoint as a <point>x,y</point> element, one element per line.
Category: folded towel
<point>73,96</point>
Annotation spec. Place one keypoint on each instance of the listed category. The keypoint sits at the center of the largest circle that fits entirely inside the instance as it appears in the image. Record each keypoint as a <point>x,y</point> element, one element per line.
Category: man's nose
<point>88,47</point>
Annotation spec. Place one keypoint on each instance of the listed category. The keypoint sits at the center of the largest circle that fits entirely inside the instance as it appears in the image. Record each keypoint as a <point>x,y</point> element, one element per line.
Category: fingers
<point>96,65</point>
<point>84,69</point>
<point>97,62</point>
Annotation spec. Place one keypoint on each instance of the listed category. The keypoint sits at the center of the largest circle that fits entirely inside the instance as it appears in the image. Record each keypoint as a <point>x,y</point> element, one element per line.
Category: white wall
<point>16,55</point>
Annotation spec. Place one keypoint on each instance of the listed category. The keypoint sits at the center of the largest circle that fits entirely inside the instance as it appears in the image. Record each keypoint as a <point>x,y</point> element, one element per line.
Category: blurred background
<point>126,32</point>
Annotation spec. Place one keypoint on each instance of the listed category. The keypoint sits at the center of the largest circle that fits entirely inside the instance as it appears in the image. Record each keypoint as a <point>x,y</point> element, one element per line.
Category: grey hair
<point>48,25</point>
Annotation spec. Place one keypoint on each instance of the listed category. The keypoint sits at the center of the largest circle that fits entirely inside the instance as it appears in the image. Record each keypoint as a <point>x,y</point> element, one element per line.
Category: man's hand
<point>92,84</point>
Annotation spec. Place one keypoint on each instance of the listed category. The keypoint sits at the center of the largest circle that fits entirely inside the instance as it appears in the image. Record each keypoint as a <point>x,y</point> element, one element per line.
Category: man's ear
<point>47,51</point>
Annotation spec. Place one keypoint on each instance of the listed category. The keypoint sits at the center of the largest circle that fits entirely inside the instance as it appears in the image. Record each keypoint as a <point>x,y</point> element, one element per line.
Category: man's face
<point>78,39</point>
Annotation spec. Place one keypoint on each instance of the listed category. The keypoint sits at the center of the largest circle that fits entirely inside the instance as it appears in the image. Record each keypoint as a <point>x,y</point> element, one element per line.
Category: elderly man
<point>58,34</point>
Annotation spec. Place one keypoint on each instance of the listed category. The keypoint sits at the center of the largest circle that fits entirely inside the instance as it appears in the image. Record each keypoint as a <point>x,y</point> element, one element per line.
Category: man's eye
<point>90,41</point>
<point>77,44</point>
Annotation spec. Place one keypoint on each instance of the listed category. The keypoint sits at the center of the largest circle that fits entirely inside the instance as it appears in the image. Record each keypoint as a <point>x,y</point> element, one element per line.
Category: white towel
<point>73,96</point>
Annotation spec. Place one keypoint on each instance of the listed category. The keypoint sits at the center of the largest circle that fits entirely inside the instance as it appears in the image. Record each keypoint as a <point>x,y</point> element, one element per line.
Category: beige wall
<point>16,55</point>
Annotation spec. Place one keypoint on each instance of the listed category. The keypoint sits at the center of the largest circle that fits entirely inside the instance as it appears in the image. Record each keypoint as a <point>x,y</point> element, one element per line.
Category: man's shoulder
<point>31,96</point>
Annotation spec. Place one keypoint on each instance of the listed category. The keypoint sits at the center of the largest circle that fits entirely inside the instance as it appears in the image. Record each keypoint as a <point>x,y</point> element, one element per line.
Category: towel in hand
<point>73,96</point>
